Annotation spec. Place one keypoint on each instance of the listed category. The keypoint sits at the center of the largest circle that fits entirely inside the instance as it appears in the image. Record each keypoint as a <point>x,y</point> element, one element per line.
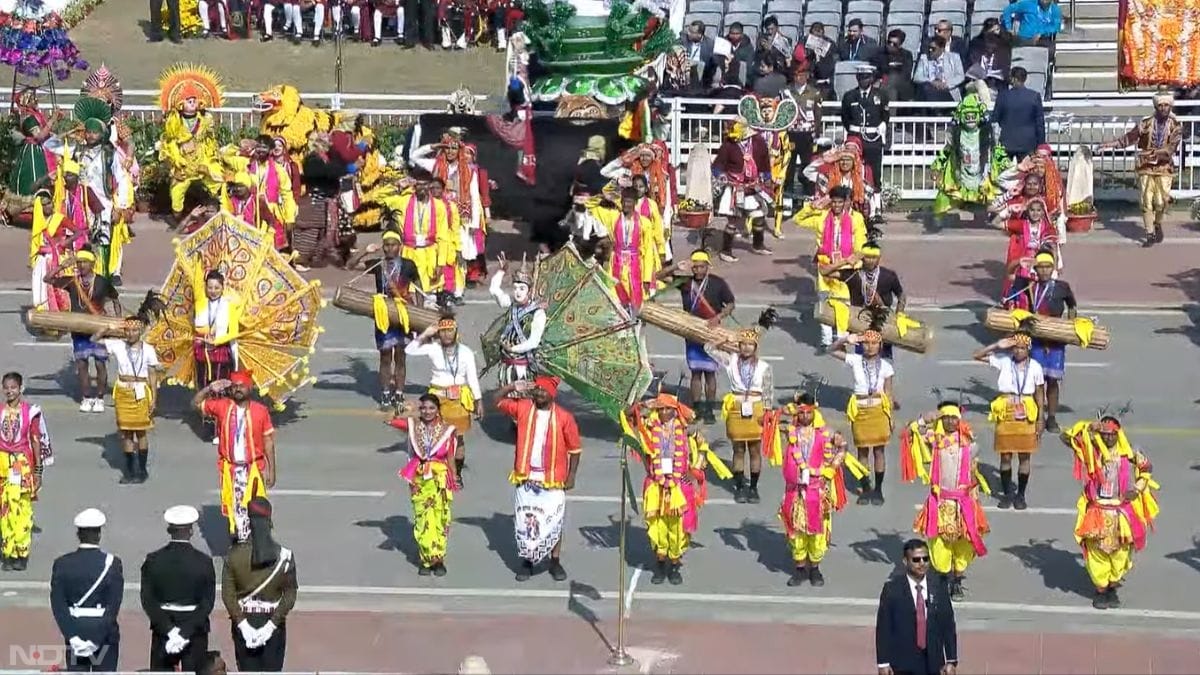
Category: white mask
<point>520,293</point>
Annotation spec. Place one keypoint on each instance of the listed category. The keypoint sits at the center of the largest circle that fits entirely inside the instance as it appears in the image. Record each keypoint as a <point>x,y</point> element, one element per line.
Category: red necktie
<point>920,618</point>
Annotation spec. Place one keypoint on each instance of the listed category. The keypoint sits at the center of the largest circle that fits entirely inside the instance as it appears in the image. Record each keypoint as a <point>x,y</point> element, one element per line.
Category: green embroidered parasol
<point>591,341</point>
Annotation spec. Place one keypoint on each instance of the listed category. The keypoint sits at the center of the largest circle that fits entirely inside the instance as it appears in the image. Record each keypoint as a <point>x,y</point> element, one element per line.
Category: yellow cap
<point>950,411</point>
<point>1044,258</point>
<point>85,255</point>
<point>700,256</point>
<point>391,236</point>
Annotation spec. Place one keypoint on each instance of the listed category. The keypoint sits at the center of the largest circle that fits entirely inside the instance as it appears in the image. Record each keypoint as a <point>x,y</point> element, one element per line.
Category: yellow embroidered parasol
<point>275,308</point>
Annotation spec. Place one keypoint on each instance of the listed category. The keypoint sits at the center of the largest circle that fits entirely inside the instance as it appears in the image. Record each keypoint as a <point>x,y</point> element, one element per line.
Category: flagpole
<point>620,657</point>
<point>337,62</point>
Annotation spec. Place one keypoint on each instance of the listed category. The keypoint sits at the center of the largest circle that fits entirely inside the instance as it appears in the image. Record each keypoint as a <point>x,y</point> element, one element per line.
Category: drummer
<point>874,285</point>
<point>1046,296</point>
<point>89,293</point>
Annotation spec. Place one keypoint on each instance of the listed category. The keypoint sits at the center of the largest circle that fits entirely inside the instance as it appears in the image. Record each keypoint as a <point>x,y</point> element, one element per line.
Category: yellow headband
<point>85,255</point>
<point>700,257</point>
<point>950,411</point>
<point>1044,257</point>
<point>391,236</point>
<point>871,250</point>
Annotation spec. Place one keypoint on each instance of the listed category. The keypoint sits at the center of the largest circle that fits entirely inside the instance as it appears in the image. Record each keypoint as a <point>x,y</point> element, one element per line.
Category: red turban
<point>243,378</point>
<point>549,384</point>
<point>341,144</point>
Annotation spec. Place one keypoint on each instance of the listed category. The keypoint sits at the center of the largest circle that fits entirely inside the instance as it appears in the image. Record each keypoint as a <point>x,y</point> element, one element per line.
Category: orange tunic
<point>562,441</point>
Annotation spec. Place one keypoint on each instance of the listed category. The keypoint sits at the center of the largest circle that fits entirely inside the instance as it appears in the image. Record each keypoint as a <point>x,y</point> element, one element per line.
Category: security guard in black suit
<point>865,114</point>
<point>86,587</point>
<point>179,588</point>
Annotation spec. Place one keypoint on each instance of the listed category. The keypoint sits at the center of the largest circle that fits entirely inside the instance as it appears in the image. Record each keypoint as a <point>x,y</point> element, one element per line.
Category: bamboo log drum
<point>362,303</point>
<point>688,326</point>
<point>919,339</point>
<point>75,322</point>
<point>1048,328</point>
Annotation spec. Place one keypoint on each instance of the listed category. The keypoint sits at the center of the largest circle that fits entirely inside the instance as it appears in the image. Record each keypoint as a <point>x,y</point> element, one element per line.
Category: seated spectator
<point>954,43</point>
<point>770,81</point>
<point>1020,116</point>
<point>765,51</point>
<point>990,61</point>
<point>699,47</point>
<point>939,73</point>
<point>743,51</point>
<point>895,66</point>
<point>857,45</point>
<point>991,26</point>
<point>1038,22</point>
<point>779,41</point>
<point>824,58</point>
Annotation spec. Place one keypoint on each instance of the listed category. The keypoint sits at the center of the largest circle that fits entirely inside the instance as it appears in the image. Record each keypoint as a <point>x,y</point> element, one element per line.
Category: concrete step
<point>1092,10</point>
<point>1090,31</point>
<point>1097,82</point>
<point>1090,60</point>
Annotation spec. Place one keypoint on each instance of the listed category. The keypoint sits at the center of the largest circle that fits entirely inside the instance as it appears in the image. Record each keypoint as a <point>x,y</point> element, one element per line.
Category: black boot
<point>1019,501</point>
<point>1004,499</point>
<point>1052,425</point>
<point>864,491</point>
<point>752,494</point>
<point>526,571</point>
<point>877,496</point>
<point>19,564</point>
<point>556,570</point>
<point>660,572</point>
<point>1113,601</point>
<point>727,247</point>
<point>143,458</point>
<point>458,471</point>
<point>799,576</point>
<point>7,565</point>
<point>674,575</point>
<point>739,485</point>
<point>815,577</point>
<point>439,569</point>
<point>129,474</point>
<point>1100,599</point>
<point>710,412</point>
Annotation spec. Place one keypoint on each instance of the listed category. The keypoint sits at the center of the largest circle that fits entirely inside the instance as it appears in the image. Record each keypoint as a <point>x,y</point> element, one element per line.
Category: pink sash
<point>441,452</point>
<point>811,494</point>
<point>845,247</point>
<point>627,261</point>
<point>410,226</point>
<point>966,504</point>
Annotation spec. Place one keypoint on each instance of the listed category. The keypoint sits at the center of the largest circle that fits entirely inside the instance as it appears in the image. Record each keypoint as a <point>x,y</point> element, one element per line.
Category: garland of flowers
<point>679,444</point>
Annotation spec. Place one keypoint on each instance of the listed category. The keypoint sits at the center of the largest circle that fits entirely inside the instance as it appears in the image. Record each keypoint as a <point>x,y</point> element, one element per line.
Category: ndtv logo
<point>44,656</point>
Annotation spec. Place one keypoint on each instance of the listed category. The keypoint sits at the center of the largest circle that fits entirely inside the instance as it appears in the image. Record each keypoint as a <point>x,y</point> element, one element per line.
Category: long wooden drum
<point>688,326</point>
<point>75,322</point>
<point>1048,328</point>
<point>917,339</point>
<point>362,303</point>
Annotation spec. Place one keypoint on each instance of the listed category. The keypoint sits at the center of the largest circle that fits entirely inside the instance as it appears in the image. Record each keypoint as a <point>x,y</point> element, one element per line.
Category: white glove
<point>80,647</point>
<point>175,642</point>
<point>249,635</point>
<point>265,633</point>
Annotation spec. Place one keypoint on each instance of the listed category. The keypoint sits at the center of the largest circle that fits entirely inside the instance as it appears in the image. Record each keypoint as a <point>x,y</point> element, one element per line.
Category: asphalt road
<point>343,510</point>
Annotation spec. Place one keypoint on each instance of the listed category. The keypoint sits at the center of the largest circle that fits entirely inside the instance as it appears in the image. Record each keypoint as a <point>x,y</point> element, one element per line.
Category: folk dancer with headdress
<point>544,467</point>
<point>525,325</point>
<point>1046,296</point>
<point>637,249</point>
<point>426,236</point>
<point>1117,506</point>
<point>215,329</point>
<point>24,451</point>
<point>454,381</point>
<point>258,589</point>
<point>188,144</point>
<point>870,408</point>
<point>270,180</point>
<point>1157,138</point>
<point>743,168</point>
<point>89,292</point>
<point>841,239</point>
<point>1036,234</point>
<point>1018,412</point>
<point>872,285</point>
<point>98,171</point>
<point>450,162</point>
<point>709,297</point>
<point>247,201</point>
<point>394,279</point>
<point>952,518</point>
<point>432,443</point>
<point>245,446</point>
<point>967,169</point>
<point>135,392</point>
<point>750,392</point>
<point>675,487</point>
<point>1009,216</point>
<point>865,116</point>
<point>35,164</point>
<point>840,167</point>
<point>54,238</point>
<point>647,168</point>
<point>812,456</point>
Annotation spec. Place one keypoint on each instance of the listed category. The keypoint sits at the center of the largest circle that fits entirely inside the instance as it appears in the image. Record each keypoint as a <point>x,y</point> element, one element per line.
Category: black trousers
<point>103,661</point>
<point>873,156</point>
<point>156,18</point>
<point>190,659</point>
<point>420,22</point>
<point>267,658</point>
<point>802,152</point>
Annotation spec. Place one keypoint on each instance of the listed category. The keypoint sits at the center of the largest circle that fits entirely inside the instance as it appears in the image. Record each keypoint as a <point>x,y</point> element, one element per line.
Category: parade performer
<point>1043,165</point>
<point>842,235</point>
<point>135,393</point>
<point>258,589</point>
<point>648,208</point>
<point>98,171</point>
<point>432,442</point>
<point>544,467</point>
<point>841,167</point>
<point>394,277</point>
<point>454,381</point>
<point>526,322</point>
<point>88,292</point>
<point>1117,506</point>
<point>743,168</point>
<point>179,589</point>
<point>451,161</point>
<point>875,286</point>
<point>451,274</point>
<point>813,487</point>
<point>952,519</point>
<point>245,447</point>
<point>24,450</point>
<point>968,168</point>
<point>870,407</point>
<point>1017,412</point>
<point>87,586</point>
<point>271,181</point>
<point>1046,296</point>
<point>215,327</point>
<point>34,165</point>
<point>54,238</point>
<point>1157,138</point>
<point>426,236</point>
<point>323,226</point>
<point>649,162</point>
<point>241,197</point>
<point>637,249</point>
<point>188,144</point>
<point>675,487</point>
<point>751,393</point>
<point>1034,234</point>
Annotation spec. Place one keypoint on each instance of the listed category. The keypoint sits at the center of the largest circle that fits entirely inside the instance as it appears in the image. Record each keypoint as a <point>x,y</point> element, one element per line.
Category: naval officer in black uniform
<point>86,587</point>
<point>865,115</point>
<point>179,588</point>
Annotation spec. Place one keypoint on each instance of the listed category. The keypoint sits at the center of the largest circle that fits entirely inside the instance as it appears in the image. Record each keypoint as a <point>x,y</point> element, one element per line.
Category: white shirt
<point>759,382</point>
<point>1031,377</point>
<point>137,361</point>
<point>541,425</point>
<point>864,386</point>
<point>215,317</point>
<point>537,325</point>
<point>240,420</point>
<point>463,373</point>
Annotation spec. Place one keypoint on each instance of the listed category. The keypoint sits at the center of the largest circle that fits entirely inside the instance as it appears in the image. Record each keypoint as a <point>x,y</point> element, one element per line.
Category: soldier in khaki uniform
<point>258,586</point>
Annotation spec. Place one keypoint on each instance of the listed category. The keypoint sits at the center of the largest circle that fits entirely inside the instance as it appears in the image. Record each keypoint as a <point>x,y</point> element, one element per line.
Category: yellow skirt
<point>871,427</point>
<point>454,413</point>
<point>132,414</point>
<point>1019,436</point>
<point>744,429</point>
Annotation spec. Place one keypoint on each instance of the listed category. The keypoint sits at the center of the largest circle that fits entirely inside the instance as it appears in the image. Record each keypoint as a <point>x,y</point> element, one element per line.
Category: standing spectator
<point>778,40</point>
<point>954,43</point>
<point>156,21</point>
<point>895,66</point>
<point>804,132</point>
<point>770,81</point>
<point>857,46</point>
<point>699,47</point>
<point>766,51</point>
<point>420,23</point>
<point>914,627</point>
<point>865,115</point>
<point>743,52</point>
<point>86,588</point>
<point>824,58</point>
<point>1038,22</point>
<point>1020,116</point>
<point>939,73</point>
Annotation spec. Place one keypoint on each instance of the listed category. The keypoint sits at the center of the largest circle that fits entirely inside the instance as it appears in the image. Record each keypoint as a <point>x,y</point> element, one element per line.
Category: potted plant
<point>1080,216</point>
<point>693,214</point>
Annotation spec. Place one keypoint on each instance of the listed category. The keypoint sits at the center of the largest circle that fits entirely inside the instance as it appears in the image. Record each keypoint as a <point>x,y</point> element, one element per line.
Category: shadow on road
<point>886,548</point>
<point>986,278</point>
<point>769,545</point>
<point>214,529</point>
<point>1061,570</point>
<point>498,529</point>
<point>364,378</point>
<point>397,536</point>
<point>110,449</point>
<point>637,545</point>
<point>587,592</point>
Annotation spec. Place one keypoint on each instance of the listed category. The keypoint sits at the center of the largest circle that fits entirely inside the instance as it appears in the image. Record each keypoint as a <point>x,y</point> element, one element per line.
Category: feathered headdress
<point>523,275</point>
<point>876,317</point>
<point>188,80</point>
<point>88,108</point>
<point>102,84</point>
<point>152,308</point>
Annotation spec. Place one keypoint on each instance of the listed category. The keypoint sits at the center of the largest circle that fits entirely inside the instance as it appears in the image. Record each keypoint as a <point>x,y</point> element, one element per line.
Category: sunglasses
<point>919,559</point>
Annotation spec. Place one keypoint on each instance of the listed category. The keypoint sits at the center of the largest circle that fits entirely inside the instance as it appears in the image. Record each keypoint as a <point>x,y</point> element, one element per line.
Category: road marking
<point>633,581</point>
<point>375,494</point>
<point>973,362</point>
<point>1032,510</point>
<point>1076,611</point>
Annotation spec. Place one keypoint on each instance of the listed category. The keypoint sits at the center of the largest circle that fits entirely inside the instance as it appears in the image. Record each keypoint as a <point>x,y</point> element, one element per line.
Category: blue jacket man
<point>1037,18</point>
<point>1020,116</point>
<point>86,588</point>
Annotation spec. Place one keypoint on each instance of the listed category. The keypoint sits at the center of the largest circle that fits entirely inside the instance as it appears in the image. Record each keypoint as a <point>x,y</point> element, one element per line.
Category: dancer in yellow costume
<point>637,244</point>
<point>188,143</point>
<point>869,408</point>
<point>750,387</point>
<point>675,487</point>
<point>1117,506</point>
<point>426,234</point>
<point>841,236</point>
<point>24,446</point>
<point>431,477</point>
<point>135,392</point>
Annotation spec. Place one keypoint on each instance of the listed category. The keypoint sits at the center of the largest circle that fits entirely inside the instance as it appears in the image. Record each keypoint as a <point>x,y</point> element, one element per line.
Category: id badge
<point>1018,409</point>
<point>668,465</point>
<point>804,476</point>
<point>139,391</point>
<point>454,392</point>
<point>14,477</point>
<point>747,408</point>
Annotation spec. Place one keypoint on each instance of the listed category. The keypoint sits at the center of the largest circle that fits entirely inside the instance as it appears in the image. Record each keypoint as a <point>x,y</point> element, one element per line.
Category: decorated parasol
<point>277,326</point>
<point>590,341</point>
